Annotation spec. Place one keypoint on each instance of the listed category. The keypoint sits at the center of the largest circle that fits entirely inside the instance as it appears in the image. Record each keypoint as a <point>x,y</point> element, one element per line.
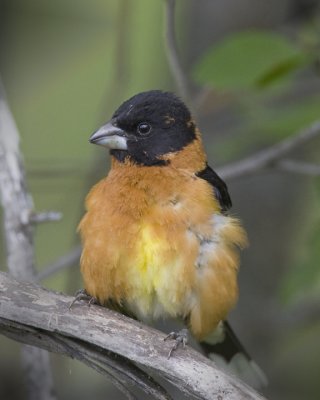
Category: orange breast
<point>153,241</point>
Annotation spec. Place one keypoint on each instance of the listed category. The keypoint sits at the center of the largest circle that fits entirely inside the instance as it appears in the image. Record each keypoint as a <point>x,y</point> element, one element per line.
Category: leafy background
<point>67,65</point>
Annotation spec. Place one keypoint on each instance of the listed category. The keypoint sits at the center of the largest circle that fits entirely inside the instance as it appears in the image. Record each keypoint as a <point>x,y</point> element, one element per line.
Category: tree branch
<point>17,203</point>
<point>18,228</point>
<point>299,167</point>
<point>32,314</point>
<point>270,156</point>
<point>45,216</point>
<point>104,362</point>
<point>171,47</point>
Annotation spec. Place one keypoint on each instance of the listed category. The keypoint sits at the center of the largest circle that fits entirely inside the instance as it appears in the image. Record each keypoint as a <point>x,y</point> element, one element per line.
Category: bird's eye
<point>144,128</point>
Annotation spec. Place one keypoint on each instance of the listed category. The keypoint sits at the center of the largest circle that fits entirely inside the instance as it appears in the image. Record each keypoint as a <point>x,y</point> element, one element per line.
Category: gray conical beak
<point>110,136</point>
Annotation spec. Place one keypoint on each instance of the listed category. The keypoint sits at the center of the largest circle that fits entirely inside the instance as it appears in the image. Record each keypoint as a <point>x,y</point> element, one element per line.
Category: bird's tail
<point>226,350</point>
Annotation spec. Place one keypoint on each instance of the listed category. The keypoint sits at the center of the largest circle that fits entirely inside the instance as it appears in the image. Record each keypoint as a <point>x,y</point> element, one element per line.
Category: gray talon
<point>181,338</point>
<point>83,295</point>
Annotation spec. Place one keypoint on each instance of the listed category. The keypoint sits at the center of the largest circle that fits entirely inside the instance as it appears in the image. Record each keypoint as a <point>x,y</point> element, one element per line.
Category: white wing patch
<point>210,242</point>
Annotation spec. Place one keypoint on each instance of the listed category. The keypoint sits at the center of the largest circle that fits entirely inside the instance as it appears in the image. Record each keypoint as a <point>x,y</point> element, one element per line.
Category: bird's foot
<point>83,295</point>
<point>181,339</point>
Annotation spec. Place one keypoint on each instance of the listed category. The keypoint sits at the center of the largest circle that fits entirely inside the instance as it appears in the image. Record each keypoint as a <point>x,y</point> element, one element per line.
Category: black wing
<point>227,346</point>
<point>235,355</point>
<point>219,187</point>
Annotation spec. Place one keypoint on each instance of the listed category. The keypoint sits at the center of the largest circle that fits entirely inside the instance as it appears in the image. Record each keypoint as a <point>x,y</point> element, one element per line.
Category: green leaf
<point>248,59</point>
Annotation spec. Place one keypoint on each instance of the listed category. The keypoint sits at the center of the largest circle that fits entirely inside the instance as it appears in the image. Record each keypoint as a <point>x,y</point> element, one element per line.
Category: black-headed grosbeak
<point>157,239</point>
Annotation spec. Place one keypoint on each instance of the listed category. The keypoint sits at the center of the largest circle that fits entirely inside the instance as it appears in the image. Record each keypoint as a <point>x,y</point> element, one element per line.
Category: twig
<point>45,216</point>
<point>270,156</point>
<point>181,78</point>
<point>17,204</point>
<point>48,313</point>
<point>299,167</point>
<point>171,47</point>
<point>67,260</point>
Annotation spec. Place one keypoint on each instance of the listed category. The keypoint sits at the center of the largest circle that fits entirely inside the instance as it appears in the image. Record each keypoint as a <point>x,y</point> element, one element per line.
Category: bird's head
<point>146,128</point>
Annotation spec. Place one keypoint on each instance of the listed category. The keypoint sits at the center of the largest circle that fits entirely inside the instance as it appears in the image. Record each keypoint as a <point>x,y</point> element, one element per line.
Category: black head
<point>146,127</point>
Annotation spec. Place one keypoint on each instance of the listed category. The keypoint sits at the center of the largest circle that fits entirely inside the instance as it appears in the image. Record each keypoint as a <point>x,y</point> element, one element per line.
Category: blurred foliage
<point>67,65</point>
<point>248,59</point>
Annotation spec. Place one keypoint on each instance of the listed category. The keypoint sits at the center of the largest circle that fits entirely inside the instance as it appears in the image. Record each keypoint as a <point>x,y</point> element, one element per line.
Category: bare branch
<point>104,362</point>
<point>129,373</point>
<point>270,156</point>
<point>118,369</point>
<point>16,202</point>
<point>45,216</point>
<point>175,65</point>
<point>299,167</point>
<point>17,205</point>
<point>107,331</point>
<point>67,260</point>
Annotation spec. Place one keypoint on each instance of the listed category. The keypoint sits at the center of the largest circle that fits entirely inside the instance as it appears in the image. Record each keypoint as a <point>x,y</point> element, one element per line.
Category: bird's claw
<point>83,295</point>
<point>181,338</point>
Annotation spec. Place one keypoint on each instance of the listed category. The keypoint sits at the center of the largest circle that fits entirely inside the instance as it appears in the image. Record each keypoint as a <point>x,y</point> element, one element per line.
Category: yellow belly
<point>161,277</point>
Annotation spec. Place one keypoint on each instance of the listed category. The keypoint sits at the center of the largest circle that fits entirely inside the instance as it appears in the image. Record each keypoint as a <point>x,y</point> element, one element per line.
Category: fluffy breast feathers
<point>155,242</point>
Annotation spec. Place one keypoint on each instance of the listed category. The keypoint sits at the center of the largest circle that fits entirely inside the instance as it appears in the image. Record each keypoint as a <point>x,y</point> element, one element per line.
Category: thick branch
<point>18,227</point>
<point>270,156</point>
<point>48,313</point>
<point>104,362</point>
<point>17,203</point>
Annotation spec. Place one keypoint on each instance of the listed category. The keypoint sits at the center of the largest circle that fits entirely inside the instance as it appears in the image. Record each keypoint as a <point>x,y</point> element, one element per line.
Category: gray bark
<point>18,230</point>
<point>26,306</point>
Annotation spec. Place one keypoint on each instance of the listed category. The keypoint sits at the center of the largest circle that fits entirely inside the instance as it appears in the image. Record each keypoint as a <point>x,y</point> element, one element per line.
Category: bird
<point>157,237</point>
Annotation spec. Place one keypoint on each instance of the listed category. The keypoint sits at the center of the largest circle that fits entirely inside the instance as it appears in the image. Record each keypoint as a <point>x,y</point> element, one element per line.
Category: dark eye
<point>144,128</point>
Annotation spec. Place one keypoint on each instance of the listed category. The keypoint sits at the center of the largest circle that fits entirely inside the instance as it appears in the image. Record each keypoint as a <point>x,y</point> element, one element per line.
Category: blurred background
<point>253,71</point>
